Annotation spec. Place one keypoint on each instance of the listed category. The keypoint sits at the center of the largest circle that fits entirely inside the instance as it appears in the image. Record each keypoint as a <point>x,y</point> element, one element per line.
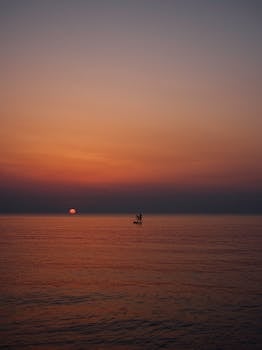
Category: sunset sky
<point>151,105</point>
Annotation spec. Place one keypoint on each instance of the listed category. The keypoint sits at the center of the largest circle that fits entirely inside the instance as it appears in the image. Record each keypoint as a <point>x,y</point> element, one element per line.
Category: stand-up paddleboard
<point>139,219</point>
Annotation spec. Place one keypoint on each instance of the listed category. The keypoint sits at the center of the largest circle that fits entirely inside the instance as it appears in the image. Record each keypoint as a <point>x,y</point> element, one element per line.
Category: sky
<point>119,106</point>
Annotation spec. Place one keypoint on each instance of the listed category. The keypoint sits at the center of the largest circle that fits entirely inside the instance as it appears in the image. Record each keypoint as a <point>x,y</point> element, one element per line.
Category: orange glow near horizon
<point>124,155</point>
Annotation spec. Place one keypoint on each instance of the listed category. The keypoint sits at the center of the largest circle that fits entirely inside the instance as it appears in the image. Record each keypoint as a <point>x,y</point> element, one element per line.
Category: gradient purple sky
<point>127,105</point>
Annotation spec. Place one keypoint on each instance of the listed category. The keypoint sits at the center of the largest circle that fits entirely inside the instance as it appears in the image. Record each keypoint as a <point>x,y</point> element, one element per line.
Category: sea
<point>101,282</point>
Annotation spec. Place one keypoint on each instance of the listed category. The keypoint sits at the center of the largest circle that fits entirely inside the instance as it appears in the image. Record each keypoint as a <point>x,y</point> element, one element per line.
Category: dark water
<point>100,282</point>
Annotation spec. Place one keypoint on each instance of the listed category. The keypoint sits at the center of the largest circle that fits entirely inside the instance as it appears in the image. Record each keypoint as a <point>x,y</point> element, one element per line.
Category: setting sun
<point>72,211</point>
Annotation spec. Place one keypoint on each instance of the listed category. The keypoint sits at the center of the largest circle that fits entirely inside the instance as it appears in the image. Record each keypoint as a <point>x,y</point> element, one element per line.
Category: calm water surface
<point>100,282</point>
